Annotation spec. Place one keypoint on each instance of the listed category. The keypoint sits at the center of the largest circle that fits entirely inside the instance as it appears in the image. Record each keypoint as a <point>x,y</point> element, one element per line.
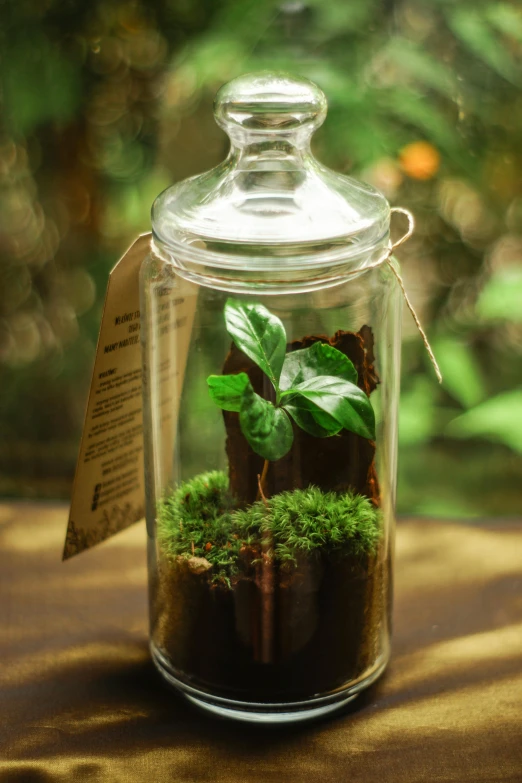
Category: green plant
<point>197,520</point>
<point>315,386</point>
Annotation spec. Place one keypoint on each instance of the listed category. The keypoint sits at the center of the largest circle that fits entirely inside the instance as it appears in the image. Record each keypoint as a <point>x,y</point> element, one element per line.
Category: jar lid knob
<point>269,103</point>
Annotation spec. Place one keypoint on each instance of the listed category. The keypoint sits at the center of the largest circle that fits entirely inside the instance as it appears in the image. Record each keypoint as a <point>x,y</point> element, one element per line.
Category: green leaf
<point>470,26</point>
<point>259,334</point>
<point>318,359</point>
<point>499,418</point>
<point>500,298</point>
<point>506,18</point>
<point>420,65</point>
<point>460,370</point>
<point>312,419</point>
<point>226,390</point>
<point>410,106</point>
<point>267,429</point>
<point>343,400</point>
<point>417,419</point>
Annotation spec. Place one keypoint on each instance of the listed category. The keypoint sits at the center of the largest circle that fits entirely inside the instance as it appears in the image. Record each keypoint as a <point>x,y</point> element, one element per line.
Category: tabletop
<point>80,700</point>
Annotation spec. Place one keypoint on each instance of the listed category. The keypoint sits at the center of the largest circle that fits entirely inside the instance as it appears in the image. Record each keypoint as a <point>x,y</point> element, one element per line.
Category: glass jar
<point>271,378</point>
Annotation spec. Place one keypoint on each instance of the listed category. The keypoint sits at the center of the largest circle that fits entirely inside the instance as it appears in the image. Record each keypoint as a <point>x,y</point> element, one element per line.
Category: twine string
<point>386,258</point>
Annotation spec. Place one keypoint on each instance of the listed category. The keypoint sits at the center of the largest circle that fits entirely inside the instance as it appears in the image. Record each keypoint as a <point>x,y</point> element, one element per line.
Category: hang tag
<point>109,486</point>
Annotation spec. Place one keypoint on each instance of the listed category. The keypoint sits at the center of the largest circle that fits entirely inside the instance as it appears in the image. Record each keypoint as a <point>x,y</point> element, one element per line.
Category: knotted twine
<point>386,259</point>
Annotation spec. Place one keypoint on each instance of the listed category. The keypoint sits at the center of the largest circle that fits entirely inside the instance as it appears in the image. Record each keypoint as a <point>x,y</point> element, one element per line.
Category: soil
<point>330,625</point>
<point>328,617</point>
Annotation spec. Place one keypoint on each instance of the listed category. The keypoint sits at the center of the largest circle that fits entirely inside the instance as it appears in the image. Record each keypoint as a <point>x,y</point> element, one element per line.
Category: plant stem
<point>261,482</point>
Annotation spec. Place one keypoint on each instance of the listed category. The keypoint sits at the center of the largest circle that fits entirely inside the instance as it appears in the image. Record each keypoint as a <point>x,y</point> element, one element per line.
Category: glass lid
<point>270,197</point>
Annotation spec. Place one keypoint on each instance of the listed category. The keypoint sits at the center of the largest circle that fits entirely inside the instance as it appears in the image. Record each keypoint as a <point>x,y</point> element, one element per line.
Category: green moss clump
<point>305,520</point>
<point>198,519</point>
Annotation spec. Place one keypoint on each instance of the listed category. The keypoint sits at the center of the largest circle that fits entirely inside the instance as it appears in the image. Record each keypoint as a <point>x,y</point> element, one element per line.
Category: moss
<point>198,520</point>
<point>305,520</point>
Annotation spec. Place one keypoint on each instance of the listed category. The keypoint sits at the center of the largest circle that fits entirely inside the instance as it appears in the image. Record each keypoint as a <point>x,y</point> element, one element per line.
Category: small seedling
<point>315,386</point>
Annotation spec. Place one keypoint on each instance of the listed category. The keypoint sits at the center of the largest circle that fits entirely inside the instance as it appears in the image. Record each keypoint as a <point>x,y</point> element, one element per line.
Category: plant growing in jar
<point>299,563</point>
<point>315,386</point>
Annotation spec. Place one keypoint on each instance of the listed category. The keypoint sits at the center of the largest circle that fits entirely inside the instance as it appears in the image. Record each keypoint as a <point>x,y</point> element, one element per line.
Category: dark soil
<point>330,626</point>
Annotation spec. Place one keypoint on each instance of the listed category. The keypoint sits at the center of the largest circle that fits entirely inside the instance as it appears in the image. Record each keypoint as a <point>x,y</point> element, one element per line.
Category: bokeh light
<point>105,105</point>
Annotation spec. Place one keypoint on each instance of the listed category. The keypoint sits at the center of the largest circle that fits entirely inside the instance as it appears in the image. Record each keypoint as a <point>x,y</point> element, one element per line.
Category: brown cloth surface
<point>80,700</point>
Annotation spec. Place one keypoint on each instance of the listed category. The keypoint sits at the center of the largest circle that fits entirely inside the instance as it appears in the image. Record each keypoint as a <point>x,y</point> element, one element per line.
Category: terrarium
<point>271,351</point>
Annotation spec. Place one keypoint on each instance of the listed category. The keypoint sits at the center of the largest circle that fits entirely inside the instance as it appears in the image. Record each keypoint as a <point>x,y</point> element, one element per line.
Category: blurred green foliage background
<point>106,103</point>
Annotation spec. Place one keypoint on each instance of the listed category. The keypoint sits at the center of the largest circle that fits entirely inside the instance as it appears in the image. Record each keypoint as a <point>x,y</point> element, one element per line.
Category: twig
<point>267,580</point>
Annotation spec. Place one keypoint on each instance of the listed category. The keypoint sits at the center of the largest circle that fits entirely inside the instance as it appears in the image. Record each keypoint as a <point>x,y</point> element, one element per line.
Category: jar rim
<point>176,251</point>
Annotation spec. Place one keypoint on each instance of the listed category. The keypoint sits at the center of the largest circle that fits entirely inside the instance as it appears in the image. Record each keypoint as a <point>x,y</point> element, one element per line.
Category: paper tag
<point>108,491</point>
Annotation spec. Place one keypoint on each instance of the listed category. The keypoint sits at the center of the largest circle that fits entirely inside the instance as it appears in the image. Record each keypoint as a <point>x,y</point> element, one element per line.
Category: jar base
<point>267,713</point>
<point>272,713</point>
